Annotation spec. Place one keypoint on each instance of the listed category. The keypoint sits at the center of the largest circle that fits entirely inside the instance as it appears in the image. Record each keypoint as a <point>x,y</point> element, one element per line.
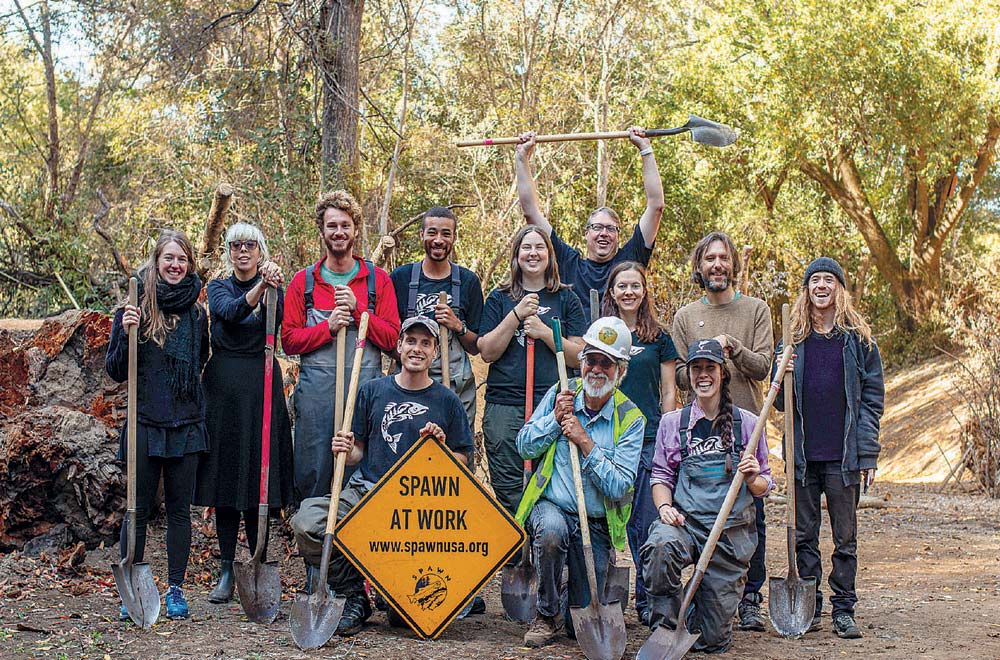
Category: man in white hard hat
<point>607,429</point>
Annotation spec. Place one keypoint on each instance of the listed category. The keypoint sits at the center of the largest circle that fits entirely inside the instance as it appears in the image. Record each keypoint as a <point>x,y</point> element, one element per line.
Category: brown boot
<point>543,631</point>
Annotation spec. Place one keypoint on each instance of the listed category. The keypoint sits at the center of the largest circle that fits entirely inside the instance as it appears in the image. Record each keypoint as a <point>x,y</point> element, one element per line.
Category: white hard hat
<point>611,336</point>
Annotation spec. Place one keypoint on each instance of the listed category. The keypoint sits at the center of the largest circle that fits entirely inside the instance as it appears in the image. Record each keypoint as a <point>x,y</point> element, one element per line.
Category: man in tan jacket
<point>742,324</point>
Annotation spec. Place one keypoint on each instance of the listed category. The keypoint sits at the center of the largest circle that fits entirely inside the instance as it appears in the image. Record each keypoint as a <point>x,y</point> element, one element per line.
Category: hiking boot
<point>845,628</point>
<point>223,592</point>
<point>543,630</point>
<point>357,609</point>
<point>816,625</point>
<point>476,606</point>
<point>750,616</point>
<point>177,607</point>
<point>644,616</point>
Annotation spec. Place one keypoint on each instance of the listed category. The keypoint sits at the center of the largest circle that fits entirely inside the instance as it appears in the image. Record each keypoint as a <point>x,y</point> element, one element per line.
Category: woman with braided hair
<point>698,452</point>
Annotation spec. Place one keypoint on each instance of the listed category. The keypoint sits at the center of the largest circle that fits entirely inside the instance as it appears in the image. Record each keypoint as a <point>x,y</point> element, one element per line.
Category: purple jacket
<point>667,456</point>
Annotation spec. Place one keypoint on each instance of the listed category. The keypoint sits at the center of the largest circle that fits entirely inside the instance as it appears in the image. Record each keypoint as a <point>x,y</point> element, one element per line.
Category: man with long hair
<point>742,325</point>
<point>839,399</point>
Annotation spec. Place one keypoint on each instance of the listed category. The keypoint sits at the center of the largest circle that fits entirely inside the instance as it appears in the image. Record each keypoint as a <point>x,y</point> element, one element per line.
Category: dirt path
<point>929,587</point>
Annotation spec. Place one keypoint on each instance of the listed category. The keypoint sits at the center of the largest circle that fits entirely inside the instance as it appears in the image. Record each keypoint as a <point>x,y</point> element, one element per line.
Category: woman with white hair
<point>229,475</point>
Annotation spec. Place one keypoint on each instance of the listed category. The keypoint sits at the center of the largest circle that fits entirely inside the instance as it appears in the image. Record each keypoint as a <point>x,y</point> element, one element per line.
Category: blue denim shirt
<point>609,470</point>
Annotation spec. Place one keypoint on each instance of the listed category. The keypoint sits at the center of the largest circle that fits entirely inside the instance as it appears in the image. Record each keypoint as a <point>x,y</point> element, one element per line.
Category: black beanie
<point>824,265</point>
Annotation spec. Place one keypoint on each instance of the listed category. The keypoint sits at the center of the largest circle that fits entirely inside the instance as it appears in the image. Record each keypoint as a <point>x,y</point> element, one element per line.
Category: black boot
<point>223,592</point>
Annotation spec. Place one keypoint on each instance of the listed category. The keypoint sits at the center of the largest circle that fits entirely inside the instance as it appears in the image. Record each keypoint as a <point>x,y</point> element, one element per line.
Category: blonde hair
<point>242,231</point>
<point>156,324</point>
<point>846,318</point>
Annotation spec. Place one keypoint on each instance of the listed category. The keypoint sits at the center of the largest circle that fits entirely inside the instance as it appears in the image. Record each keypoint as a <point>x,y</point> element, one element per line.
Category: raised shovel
<point>134,580</point>
<point>666,644</point>
<point>315,617</point>
<point>600,628</point>
<point>257,581</point>
<point>791,601</point>
<point>519,583</point>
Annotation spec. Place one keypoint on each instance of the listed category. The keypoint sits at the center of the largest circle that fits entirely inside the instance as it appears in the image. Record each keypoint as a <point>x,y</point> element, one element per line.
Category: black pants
<point>842,505</point>
<point>227,527</point>
<point>757,573</point>
<point>178,489</point>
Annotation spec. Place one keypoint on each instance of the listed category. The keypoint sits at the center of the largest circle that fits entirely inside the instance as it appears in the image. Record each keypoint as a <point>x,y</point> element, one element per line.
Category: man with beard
<point>392,413</point>
<point>742,325</point>
<point>603,227</point>
<point>418,286</point>
<point>321,299</point>
<point>607,429</point>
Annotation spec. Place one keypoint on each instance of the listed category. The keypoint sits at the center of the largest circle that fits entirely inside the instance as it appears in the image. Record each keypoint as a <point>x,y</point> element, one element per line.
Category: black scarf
<point>182,345</point>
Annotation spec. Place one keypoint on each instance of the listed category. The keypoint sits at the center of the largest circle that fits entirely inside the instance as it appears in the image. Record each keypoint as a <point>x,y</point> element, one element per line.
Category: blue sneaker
<point>123,614</point>
<point>177,607</point>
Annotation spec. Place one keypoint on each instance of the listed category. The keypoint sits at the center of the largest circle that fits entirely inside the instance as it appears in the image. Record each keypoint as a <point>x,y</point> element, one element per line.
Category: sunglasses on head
<point>600,361</point>
<point>236,246</point>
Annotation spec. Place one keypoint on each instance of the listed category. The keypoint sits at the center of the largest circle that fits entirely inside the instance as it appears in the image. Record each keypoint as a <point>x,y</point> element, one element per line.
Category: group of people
<point>660,418</point>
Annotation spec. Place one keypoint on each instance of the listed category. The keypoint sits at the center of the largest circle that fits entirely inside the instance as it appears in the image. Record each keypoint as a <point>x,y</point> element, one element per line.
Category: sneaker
<point>356,612</point>
<point>543,631</point>
<point>750,616</point>
<point>476,606</point>
<point>177,607</point>
<point>816,625</point>
<point>644,617</point>
<point>845,628</point>
<point>123,614</point>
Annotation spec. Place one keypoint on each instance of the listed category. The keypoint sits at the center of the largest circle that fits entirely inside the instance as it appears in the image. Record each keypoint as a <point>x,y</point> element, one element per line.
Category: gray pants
<point>309,525</point>
<point>668,550</point>
<point>501,425</point>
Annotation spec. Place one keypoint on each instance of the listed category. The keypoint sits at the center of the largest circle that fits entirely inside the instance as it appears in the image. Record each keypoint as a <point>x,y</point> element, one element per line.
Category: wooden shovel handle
<point>133,376</point>
<point>445,363</point>
<point>271,306</point>
<point>788,391</point>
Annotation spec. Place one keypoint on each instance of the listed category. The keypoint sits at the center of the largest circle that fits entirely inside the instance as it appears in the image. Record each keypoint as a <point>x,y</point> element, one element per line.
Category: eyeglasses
<point>237,246</point>
<point>598,361</point>
<point>598,227</point>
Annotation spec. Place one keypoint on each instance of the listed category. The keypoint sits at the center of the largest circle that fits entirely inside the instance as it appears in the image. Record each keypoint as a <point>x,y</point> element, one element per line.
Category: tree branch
<point>213,226</point>
<point>984,158</point>
<point>241,14</point>
<point>98,217</point>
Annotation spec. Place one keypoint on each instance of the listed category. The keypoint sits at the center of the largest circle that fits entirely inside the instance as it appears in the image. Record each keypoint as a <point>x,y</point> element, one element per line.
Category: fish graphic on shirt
<point>398,412</point>
<point>519,333</point>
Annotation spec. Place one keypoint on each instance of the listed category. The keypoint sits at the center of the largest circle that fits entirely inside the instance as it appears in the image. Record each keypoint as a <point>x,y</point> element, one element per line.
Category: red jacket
<point>383,327</point>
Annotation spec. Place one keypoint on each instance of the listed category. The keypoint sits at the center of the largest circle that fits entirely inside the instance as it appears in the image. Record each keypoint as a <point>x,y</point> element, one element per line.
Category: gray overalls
<point>315,394</point>
<point>702,482</point>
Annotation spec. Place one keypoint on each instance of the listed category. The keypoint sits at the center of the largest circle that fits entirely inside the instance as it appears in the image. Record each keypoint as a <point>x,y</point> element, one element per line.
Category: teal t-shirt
<point>339,279</point>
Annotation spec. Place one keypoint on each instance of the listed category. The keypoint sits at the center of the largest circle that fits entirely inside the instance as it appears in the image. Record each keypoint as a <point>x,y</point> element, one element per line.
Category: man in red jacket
<point>321,299</point>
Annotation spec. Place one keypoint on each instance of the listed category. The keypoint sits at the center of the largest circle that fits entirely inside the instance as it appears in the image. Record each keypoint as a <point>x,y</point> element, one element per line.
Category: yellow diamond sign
<point>428,536</point>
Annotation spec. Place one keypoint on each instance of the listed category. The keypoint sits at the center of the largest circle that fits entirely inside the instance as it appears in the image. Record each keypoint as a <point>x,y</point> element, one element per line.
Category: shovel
<point>445,364</point>
<point>600,629</point>
<point>666,644</point>
<point>134,580</point>
<point>791,601</point>
<point>258,582</point>
<point>617,579</point>
<point>519,584</point>
<point>315,617</point>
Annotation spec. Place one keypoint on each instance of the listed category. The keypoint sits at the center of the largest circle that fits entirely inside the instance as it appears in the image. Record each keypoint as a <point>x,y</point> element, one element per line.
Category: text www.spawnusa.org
<point>418,547</point>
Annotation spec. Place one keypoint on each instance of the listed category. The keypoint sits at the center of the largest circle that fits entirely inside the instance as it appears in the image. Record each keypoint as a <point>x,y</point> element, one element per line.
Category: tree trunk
<point>340,44</point>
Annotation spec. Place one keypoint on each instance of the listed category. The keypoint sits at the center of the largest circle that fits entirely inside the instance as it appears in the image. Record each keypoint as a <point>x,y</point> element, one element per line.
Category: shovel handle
<point>338,390</point>
<point>271,311</point>
<point>595,302</point>
<point>130,419</point>
<point>788,389</point>
<point>445,363</point>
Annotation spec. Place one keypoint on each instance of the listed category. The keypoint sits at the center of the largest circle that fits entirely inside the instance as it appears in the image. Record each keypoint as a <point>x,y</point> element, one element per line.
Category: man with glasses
<point>603,228</point>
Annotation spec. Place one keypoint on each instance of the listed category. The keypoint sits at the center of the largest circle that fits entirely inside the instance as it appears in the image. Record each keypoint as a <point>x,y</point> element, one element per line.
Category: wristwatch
<point>465,328</point>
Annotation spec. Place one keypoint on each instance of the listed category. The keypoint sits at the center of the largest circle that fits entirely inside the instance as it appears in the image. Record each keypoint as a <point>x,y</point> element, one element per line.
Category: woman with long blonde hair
<point>170,428</point>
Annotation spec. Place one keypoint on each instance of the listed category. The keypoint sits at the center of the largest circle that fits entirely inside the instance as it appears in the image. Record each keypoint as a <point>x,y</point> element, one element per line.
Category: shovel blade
<point>138,592</point>
<point>791,605</point>
<point>600,630</point>
<point>315,618</point>
<point>709,132</point>
<point>667,644</point>
<point>259,587</point>
<point>616,585</point>
<point>519,592</point>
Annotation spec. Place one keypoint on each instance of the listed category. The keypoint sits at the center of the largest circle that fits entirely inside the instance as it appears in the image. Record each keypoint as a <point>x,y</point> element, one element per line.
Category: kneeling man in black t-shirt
<point>391,415</point>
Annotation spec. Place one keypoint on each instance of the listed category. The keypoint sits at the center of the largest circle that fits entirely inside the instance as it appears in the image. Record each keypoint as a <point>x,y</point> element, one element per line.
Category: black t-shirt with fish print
<point>388,419</point>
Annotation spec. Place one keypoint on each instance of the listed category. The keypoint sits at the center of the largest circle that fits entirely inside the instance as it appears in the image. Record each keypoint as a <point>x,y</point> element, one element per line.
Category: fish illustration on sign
<point>398,412</point>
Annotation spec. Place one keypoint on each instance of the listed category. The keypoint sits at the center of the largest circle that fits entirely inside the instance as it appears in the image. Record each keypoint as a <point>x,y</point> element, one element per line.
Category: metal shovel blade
<point>709,132</point>
<point>519,592</point>
<point>616,584</point>
<point>600,630</point>
<point>138,591</point>
<point>791,605</point>
<point>259,587</point>
<point>315,617</point>
<point>667,644</point>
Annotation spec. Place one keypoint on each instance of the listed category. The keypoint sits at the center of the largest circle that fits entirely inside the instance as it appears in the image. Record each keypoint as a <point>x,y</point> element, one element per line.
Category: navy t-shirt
<point>704,439</point>
<point>642,381</point>
<point>388,419</point>
<point>506,378</point>
<point>824,399</point>
<point>585,274</point>
<point>470,304</point>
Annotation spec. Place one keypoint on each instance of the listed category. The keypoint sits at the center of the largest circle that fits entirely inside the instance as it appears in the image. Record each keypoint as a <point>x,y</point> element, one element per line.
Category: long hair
<point>702,247</point>
<point>155,324</point>
<point>242,231</point>
<point>514,286</point>
<point>647,327</point>
<point>846,318</point>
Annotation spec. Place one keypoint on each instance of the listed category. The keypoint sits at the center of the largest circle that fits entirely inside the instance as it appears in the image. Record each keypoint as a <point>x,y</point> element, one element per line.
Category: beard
<point>716,287</point>
<point>597,386</point>
<point>339,253</point>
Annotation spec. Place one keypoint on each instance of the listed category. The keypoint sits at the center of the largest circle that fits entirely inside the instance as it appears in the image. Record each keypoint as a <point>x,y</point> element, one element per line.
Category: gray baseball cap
<point>429,323</point>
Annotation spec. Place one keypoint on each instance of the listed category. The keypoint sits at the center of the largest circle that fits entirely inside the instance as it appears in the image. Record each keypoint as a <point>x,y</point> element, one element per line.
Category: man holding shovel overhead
<point>839,399</point>
<point>323,299</point>
<point>742,325</point>
<point>603,229</point>
<point>607,429</point>
<point>391,415</point>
